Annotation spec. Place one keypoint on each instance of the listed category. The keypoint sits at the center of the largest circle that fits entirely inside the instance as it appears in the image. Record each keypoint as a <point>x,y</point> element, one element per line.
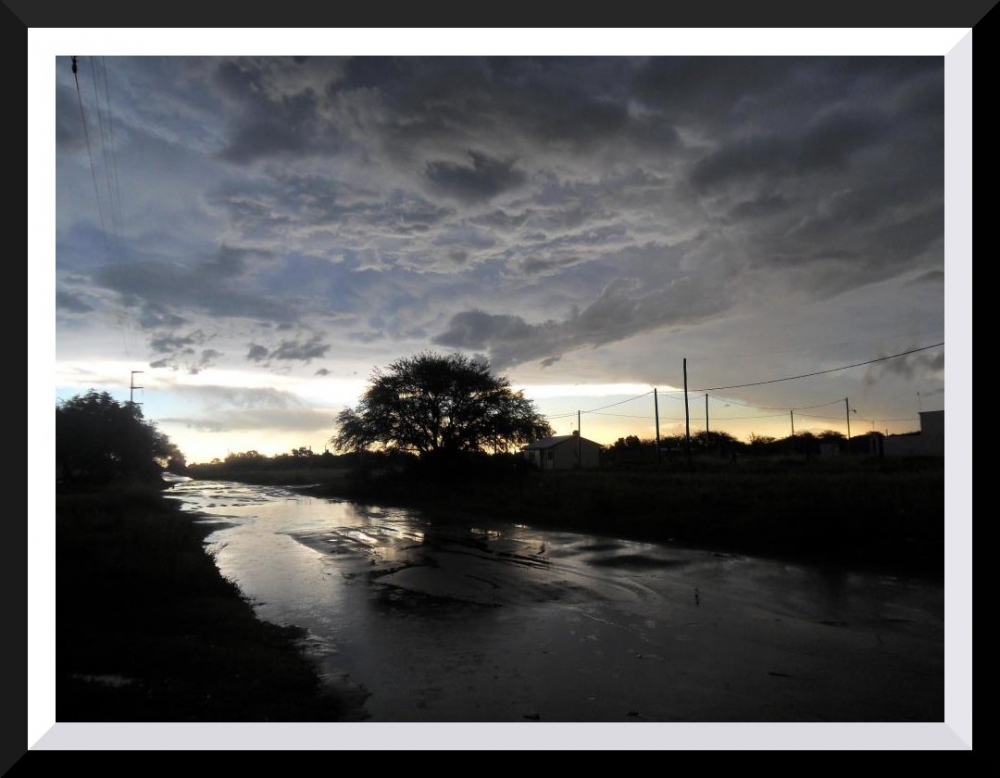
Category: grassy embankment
<point>857,512</point>
<point>147,629</point>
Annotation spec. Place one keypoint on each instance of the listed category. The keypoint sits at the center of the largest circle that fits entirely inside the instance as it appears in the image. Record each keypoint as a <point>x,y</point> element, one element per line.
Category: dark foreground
<point>148,630</point>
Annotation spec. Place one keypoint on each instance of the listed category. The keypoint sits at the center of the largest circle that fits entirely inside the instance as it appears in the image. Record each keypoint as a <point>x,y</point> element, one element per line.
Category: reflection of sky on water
<point>446,619</point>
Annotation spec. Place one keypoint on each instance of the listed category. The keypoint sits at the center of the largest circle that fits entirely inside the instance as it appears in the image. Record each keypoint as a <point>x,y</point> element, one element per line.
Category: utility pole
<point>579,443</point>
<point>847,407</point>
<point>792,415</point>
<point>687,415</point>
<point>656,412</point>
<point>132,387</point>
<point>706,418</point>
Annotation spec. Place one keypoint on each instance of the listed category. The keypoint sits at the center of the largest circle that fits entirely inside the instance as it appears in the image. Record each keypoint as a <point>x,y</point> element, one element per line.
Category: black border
<point>310,13</point>
<point>19,15</point>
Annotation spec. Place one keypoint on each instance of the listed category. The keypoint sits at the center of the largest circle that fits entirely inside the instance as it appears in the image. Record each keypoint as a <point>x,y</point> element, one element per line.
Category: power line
<point>90,157</point>
<point>601,408</point>
<point>110,211</point>
<point>756,383</point>
<point>776,408</point>
<point>813,349</point>
<point>820,372</point>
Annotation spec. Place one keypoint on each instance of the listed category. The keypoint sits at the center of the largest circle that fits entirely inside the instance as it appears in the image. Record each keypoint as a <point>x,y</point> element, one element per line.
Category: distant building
<point>563,452</point>
<point>929,442</point>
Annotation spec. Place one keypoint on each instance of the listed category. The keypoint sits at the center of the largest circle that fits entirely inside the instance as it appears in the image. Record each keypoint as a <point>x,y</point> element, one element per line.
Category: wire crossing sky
<point>258,234</point>
<point>821,372</point>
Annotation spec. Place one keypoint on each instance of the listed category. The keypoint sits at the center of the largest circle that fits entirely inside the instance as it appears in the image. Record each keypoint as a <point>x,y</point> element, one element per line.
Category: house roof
<point>555,440</point>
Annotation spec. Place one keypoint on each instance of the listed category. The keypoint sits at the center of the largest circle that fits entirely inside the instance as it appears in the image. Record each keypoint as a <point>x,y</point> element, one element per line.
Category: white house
<point>562,452</point>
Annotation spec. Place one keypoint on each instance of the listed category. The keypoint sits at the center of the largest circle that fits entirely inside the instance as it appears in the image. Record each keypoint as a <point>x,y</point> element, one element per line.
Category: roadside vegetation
<point>147,629</point>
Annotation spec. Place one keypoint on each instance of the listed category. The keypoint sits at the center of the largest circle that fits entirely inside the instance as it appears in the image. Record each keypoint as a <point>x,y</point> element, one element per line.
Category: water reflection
<point>497,621</point>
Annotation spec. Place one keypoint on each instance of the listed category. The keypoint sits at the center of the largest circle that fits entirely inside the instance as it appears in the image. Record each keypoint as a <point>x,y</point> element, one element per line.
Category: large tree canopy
<point>434,404</point>
<point>99,440</point>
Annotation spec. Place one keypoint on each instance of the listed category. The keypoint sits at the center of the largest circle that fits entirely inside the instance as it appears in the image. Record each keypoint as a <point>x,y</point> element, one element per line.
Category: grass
<point>147,629</point>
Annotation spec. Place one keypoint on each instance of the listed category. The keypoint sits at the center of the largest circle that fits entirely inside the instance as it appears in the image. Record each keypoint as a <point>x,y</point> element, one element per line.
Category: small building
<point>563,452</point>
<point>928,442</point>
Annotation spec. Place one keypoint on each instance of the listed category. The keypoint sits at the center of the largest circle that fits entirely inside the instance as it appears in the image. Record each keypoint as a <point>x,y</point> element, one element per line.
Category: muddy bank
<point>149,630</point>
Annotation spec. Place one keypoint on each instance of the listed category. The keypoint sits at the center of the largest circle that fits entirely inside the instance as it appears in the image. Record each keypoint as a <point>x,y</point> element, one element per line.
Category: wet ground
<point>432,621</point>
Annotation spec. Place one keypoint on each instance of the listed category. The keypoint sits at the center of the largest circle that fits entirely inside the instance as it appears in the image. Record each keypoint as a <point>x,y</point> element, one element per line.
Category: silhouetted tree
<point>715,441</point>
<point>438,405</point>
<point>630,442</point>
<point>170,457</point>
<point>761,444</point>
<point>99,440</point>
<point>251,458</point>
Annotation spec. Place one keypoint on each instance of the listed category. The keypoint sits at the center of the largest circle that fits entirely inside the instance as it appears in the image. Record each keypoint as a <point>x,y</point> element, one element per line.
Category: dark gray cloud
<point>528,209</point>
<point>573,103</point>
<point>72,303</point>
<point>827,145</point>
<point>168,344</point>
<point>257,353</point>
<point>303,351</point>
<point>928,365</point>
<point>482,178</point>
<point>268,123</point>
<point>229,261</point>
<point>205,359</point>
<point>759,207</point>
<point>203,288</point>
<point>288,351</point>
<point>183,352</point>
<point>625,307</point>
<point>477,329</point>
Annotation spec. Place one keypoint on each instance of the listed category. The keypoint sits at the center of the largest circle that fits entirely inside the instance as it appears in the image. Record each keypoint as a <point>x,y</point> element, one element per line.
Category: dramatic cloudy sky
<point>257,234</point>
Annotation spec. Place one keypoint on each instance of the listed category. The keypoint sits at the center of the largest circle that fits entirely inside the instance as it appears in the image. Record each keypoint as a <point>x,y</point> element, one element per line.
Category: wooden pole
<point>687,414</point>
<point>656,412</point>
<point>707,446</point>
<point>579,444</point>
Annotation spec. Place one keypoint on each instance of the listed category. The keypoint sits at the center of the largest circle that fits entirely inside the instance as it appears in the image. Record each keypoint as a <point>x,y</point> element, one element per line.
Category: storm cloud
<point>310,217</point>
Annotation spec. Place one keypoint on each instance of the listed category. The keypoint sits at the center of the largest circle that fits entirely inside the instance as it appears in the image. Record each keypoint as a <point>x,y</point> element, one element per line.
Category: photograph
<point>532,391</point>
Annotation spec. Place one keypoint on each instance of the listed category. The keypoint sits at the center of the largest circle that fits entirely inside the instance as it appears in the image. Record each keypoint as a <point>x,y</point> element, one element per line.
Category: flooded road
<point>432,621</point>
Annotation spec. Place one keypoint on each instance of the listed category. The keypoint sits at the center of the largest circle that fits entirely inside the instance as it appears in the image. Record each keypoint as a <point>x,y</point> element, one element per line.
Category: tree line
<point>100,441</point>
<point>439,410</point>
